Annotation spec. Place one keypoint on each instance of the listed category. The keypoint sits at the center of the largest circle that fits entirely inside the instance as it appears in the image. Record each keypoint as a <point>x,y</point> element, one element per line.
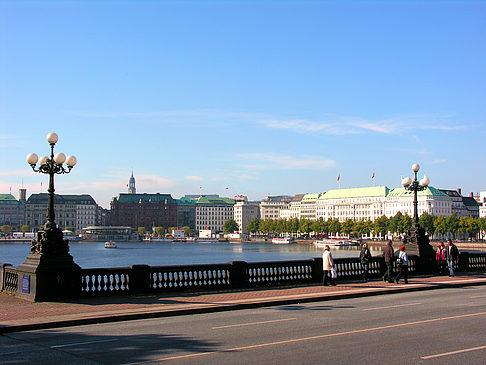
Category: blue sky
<point>260,97</point>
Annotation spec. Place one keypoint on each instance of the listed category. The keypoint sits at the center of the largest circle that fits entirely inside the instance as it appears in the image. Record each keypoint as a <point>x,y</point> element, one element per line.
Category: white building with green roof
<point>212,212</point>
<point>370,203</point>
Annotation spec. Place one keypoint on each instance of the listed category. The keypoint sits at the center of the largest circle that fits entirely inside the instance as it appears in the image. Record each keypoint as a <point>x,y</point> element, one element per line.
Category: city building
<point>11,212</point>
<point>244,212</point>
<point>293,208</point>
<point>482,204</point>
<point>213,212</point>
<point>72,211</point>
<point>370,203</point>
<point>270,207</point>
<point>131,185</point>
<point>186,212</point>
<point>143,210</point>
<point>308,206</point>
<point>462,206</point>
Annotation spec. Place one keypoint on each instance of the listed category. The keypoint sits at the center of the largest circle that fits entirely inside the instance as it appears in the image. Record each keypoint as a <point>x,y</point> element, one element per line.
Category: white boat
<point>110,244</point>
<point>207,240</point>
<point>331,242</point>
<point>282,241</point>
<point>157,239</point>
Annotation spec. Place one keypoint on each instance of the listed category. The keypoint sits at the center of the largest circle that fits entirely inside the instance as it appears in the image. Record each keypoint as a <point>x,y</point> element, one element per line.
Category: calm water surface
<point>94,254</point>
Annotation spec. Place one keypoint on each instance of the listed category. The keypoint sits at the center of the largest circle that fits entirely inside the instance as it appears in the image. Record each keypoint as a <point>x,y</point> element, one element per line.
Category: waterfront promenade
<point>20,315</point>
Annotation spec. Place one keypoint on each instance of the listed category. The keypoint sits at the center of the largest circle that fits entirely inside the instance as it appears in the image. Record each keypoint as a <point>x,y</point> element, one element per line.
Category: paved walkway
<point>21,315</point>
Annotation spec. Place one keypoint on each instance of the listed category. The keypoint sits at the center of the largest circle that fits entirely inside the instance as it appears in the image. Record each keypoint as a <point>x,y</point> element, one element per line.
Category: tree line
<point>396,225</point>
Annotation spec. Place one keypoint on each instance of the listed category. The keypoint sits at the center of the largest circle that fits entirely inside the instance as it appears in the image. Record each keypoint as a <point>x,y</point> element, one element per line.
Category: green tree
<point>394,223</point>
<point>440,225</point>
<point>472,227</point>
<point>452,224</point>
<point>482,225</point>
<point>6,229</point>
<point>187,231</point>
<point>404,224</point>
<point>294,225</point>
<point>347,226</point>
<point>25,228</point>
<point>305,225</point>
<point>230,226</point>
<point>426,221</point>
<point>159,231</point>
<point>267,226</point>
<point>142,231</point>
<point>334,226</point>
<point>253,226</point>
<point>381,226</point>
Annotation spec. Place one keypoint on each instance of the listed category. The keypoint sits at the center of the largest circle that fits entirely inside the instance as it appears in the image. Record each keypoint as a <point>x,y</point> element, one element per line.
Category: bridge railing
<point>233,275</point>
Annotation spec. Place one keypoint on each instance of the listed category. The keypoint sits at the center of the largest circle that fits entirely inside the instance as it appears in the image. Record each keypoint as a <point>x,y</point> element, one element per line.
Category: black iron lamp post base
<point>417,243</point>
<point>49,272</point>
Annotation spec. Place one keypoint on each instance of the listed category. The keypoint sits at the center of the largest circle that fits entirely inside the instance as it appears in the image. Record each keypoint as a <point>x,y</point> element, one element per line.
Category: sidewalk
<point>19,315</point>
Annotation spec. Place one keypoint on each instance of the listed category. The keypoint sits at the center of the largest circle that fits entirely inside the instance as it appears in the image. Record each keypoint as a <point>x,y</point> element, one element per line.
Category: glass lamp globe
<point>43,160</point>
<point>52,138</point>
<point>407,181</point>
<point>59,158</point>
<point>71,161</point>
<point>425,181</point>
<point>415,167</point>
<point>32,158</point>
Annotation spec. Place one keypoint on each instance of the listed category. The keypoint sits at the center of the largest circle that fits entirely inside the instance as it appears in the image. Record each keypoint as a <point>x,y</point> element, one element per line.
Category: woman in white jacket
<point>327,265</point>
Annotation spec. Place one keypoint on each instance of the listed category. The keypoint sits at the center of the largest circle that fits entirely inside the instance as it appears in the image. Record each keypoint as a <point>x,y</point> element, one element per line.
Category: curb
<point>231,307</point>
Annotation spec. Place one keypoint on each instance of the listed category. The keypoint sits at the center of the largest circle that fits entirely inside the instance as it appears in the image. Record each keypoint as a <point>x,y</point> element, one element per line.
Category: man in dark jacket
<point>389,256</point>
<point>364,259</point>
<point>451,255</point>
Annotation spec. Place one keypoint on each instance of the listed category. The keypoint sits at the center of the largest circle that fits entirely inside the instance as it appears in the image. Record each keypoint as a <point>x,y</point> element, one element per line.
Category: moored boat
<point>110,244</point>
<point>282,241</point>
<point>333,242</point>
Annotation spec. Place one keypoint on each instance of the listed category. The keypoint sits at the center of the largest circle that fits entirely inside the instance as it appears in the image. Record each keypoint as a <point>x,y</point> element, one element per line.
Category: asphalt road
<point>445,326</point>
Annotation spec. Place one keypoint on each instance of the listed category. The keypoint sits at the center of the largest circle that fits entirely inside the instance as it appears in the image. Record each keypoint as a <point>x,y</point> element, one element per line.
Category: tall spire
<point>131,185</point>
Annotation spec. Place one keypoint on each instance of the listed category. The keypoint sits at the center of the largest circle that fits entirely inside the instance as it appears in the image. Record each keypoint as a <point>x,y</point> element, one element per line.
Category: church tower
<point>131,185</point>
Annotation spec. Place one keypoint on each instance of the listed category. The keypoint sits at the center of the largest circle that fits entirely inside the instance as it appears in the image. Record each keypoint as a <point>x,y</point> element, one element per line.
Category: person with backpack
<point>402,263</point>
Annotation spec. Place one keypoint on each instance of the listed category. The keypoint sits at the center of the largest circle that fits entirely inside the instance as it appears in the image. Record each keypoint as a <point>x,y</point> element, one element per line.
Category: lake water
<point>95,255</point>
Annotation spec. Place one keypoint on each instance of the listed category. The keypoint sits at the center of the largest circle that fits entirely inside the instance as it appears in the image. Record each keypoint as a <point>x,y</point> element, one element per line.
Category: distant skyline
<point>243,97</point>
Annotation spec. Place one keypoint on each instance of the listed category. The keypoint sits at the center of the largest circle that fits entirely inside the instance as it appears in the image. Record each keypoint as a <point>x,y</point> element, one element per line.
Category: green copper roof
<point>8,199</point>
<point>185,200</point>
<point>311,197</point>
<point>374,191</point>
<point>145,198</point>
<point>430,191</point>
<point>211,200</point>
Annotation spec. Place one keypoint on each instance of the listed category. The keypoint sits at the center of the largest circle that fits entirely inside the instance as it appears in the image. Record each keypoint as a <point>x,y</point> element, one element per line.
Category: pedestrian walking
<point>328,266</point>
<point>440,257</point>
<point>389,256</point>
<point>402,263</point>
<point>452,253</point>
<point>364,259</point>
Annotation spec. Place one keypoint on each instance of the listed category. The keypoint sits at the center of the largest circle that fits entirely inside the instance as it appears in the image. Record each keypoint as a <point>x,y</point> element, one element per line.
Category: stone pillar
<point>238,274</point>
<point>139,279</point>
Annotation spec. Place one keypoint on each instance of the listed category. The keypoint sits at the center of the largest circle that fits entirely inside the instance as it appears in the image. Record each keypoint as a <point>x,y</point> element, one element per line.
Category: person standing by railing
<point>364,259</point>
<point>389,256</point>
<point>440,256</point>
<point>402,263</point>
<point>451,256</point>
<point>328,265</point>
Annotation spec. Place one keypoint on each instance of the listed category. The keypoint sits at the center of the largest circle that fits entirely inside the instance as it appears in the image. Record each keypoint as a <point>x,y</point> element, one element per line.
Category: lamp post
<point>49,271</point>
<point>51,166</point>
<point>415,237</point>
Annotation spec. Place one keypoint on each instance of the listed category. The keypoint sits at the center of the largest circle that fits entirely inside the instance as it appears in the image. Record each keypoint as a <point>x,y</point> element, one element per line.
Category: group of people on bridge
<point>446,257</point>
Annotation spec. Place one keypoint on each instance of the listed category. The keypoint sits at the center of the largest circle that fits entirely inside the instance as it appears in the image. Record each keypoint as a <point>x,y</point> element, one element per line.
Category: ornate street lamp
<point>49,271</point>
<point>415,237</point>
<point>51,166</point>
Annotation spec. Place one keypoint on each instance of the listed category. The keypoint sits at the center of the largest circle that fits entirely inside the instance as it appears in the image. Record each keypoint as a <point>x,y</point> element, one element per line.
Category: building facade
<point>213,212</point>
<point>186,212</point>
<point>72,211</point>
<point>12,212</point>
<point>245,212</point>
<point>270,207</point>
<point>143,210</point>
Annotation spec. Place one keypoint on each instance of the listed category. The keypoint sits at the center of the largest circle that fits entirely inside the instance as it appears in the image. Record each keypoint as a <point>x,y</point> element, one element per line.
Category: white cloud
<point>194,178</point>
<point>264,161</point>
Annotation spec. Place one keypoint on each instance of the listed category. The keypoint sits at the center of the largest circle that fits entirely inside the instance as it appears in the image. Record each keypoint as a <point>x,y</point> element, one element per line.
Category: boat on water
<point>158,239</point>
<point>282,241</point>
<point>334,242</point>
<point>206,240</point>
<point>110,244</point>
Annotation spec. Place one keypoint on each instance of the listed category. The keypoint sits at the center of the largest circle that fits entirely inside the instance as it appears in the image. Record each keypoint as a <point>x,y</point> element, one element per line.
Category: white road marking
<point>81,343</point>
<point>391,306</point>
<point>253,323</point>
<point>268,344</point>
<point>453,352</point>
